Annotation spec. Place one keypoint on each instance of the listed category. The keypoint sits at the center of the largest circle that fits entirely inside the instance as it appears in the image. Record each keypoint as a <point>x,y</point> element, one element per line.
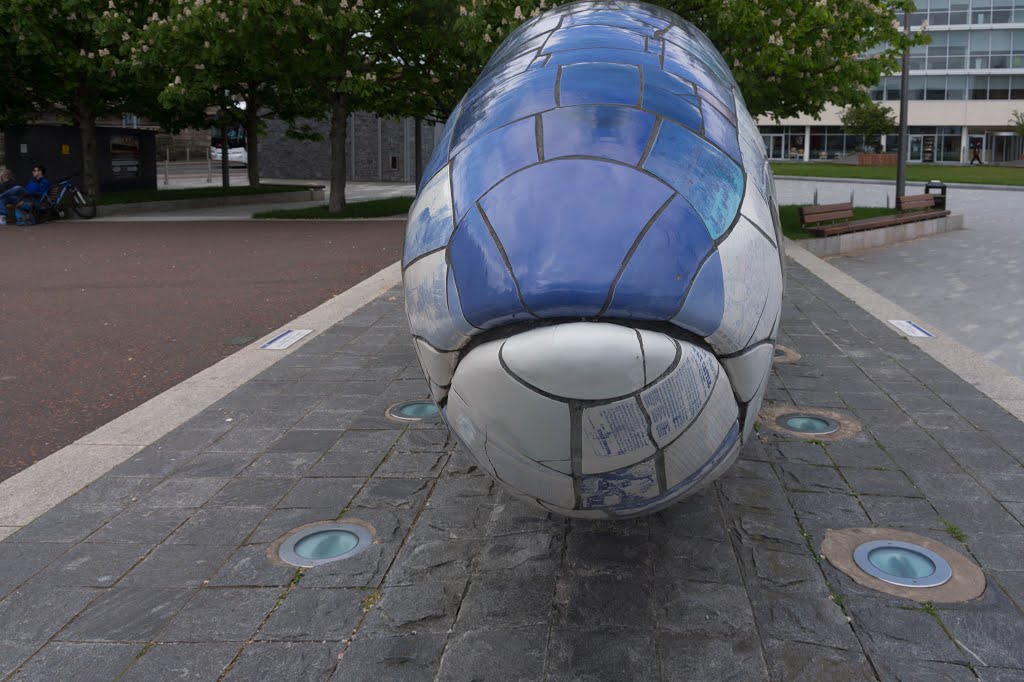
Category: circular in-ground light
<point>413,410</point>
<point>902,563</point>
<point>809,424</point>
<point>324,542</point>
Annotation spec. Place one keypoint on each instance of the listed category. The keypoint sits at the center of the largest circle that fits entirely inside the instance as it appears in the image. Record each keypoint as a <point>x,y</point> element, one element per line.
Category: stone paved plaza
<point>969,283</point>
<point>160,569</point>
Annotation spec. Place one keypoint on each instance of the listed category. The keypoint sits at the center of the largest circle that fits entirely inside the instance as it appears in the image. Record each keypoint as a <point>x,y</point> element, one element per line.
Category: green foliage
<point>136,196</point>
<point>988,175</point>
<point>869,119</point>
<point>376,208</point>
<point>1017,122</point>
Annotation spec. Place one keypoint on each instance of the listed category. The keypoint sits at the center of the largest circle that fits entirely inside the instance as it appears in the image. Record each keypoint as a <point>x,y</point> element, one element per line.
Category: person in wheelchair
<point>33,195</point>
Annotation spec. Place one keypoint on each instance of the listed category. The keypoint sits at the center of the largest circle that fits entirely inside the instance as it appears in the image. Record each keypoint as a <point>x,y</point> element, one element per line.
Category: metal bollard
<point>167,164</point>
<point>815,202</point>
<point>209,167</point>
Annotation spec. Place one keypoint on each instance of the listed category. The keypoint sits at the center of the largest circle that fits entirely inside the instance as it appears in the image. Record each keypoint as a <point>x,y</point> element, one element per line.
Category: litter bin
<point>940,193</point>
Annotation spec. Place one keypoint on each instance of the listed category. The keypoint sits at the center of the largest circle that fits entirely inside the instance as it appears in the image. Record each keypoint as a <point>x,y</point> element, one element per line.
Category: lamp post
<point>901,161</point>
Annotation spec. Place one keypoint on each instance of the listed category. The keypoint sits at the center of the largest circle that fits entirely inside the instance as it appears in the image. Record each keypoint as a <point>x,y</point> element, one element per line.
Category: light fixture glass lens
<point>326,544</point>
<point>901,562</point>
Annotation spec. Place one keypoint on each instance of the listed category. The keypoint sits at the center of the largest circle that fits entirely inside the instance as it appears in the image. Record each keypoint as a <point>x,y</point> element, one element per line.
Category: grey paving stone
<point>402,657</point>
<point>188,440</point>
<point>178,566</point>
<point>774,530</point>
<point>495,602</point>
<point>91,564</point>
<point>460,490</point>
<point>975,461</point>
<point>113,491</point>
<point>599,551</point>
<point>948,485</point>
<point>804,453</point>
<point>35,611</point>
<point>86,661</point>
<point>250,566</point>
<point>452,523</point>
<point>212,526</point>
<point>215,465</point>
<point>810,478</point>
<point>1006,486</point>
<point>305,441</point>
<point>315,615</point>
<point>687,657</point>
<point>901,512</point>
<point>700,609</point>
<point>187,661</point>
<point>979,515</point>
<point>325,420</point>
<point>140,526</point>
<point>253,437</point>
<point>13,654</point>
<point>596,655</point>
<point>880,482</point>
<point>818,512</point>
<point>433,562</point>
<point>366,569</point>
<point>321,492</point>
<point>394,493</point>
<point>888,631</point>
<point>64,524</point>
<point>20,561</point>
<point>695,517</point>
<point>803,662</point>
<point>228,614</point>
<point>754,494</point>
<point>413,465</point>
<point>1017,509</point>
<point>816,398</point>
<point>281,465</point>
<point>896,667</point>
<point>805,617</point>
<point>126,614</point>
<point>695,559</point>
<point>280,521</point>
<point>509,516</point>
<point>152,463</point>
<point>511,654</point>
<point>183,492</point>
<point>284,661</point>
<point>252,492</point>
<point>536,553</point>
<point>348,464</point>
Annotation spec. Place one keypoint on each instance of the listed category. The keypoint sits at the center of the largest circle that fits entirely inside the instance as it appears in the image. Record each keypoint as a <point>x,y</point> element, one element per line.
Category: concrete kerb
<point>986,376</point>
<point>916,183</point>
<point>287,197</point>
<point>31,492</point>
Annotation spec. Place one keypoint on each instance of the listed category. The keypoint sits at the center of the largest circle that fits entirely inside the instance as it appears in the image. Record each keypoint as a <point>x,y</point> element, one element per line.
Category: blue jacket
<point>38,188</point>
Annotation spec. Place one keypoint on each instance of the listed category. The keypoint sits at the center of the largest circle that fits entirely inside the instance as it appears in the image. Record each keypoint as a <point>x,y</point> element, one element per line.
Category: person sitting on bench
<point>33,193</point>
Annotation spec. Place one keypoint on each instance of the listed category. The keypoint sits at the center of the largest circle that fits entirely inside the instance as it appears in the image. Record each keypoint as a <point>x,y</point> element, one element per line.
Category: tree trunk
<point>418,138</point>
<point>225,150</point>
<point>339,160</point>
<point>87,129</point>
<point>252,130</point>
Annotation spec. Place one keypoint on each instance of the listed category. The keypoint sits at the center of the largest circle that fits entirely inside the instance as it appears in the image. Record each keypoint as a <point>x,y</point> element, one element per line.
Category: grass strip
<point>137,196</point>
<point>978,175</point>
<point>790,217</point>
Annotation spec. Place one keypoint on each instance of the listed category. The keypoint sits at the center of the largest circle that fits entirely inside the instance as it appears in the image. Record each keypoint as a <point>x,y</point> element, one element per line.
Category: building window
<point>1017,87</point>
<point>977,87</point>
<point>999,87</point>
<point>956,87</point>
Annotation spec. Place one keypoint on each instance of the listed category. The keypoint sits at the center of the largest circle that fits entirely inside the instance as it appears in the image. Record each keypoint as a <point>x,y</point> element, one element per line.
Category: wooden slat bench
<point>839,217</point>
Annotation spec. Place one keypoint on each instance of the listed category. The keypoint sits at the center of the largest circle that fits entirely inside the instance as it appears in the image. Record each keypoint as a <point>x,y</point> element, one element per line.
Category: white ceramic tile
<point>674,402</point>
<point>430,223</point>
<point>747,372</point>
<point>530,478</point>
<point>438,393</point>
<point>768,324</point>
<point>472,435</point>
<point>614,436</point>
<point>753,407</point>
<point>757,211</point>
<point>437,365</point>
<point>514,418</point>
<point>659,353</point>
<point>692,450</point>
<point>751,274</point>
<point>580,360</point>
<point>426,304</point>
<point>625,489</point>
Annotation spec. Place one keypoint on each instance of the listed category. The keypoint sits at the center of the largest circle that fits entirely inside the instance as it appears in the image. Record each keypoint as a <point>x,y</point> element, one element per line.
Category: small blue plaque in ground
<point>285,339</point>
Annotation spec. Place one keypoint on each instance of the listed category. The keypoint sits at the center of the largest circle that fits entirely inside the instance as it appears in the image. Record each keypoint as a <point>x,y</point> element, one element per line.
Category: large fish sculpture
<point>592,267</point>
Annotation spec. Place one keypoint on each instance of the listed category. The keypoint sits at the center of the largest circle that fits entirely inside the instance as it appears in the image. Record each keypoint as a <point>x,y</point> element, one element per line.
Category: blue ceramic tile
<point>709,179</point>
<point>486,291</point>
<point>618,133</point>
<point>682,109</point>
<point>685,65</point>
<point>653,283</point>
<point>426,304</point>
<point>430,219</point>
<point>727,109</point>
<point>646,59</point>
<point>439,157</point>
<point>626,488</point>
<point>689,38</point>
<point>705,303</point>
<point>455,306</point>
<point>567,243</point>
<point>654,77</point>
<point>648,15</point>
<point>655,46</point>
<point>520,96</point>
<point>721,132</point>
<point>596,83</point>
<point>595,36</point>
<point>608,18</point>
<point>490,158</point>
<point>512,51</point>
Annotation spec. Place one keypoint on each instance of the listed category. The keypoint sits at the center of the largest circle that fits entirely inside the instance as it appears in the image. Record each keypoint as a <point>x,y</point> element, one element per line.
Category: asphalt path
<point>98,317</point>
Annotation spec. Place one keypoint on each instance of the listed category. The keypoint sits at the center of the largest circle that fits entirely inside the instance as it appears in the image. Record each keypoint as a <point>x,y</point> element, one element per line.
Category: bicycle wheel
<point>84,205</point>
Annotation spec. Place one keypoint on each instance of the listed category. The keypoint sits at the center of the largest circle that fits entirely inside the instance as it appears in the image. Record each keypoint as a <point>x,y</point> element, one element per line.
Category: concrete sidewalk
<point>163,568</point>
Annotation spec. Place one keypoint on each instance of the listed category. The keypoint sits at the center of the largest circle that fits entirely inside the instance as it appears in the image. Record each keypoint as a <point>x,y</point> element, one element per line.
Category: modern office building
<point>964,88</point>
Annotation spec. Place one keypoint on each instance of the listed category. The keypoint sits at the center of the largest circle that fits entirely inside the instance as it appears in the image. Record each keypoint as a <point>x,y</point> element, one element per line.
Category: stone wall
<point>378,150</point>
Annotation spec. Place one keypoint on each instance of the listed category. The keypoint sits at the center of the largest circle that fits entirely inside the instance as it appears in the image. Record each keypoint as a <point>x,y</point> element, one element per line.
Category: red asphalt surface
<point>96,318</point>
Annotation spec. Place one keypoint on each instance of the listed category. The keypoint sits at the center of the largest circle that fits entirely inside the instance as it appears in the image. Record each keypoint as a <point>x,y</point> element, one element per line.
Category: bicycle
<point>68,194</point>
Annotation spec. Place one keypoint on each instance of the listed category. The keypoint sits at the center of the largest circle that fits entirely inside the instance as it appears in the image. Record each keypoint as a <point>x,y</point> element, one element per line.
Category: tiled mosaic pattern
<point>604,167</point>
